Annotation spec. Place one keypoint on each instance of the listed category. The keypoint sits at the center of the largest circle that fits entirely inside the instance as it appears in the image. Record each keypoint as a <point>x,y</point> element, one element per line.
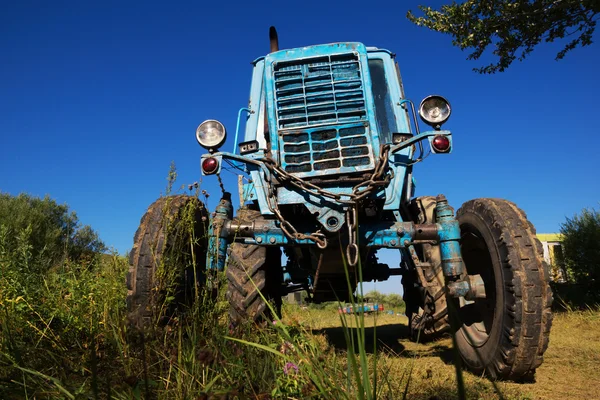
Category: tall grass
<point>70,340</point>
<point>64,333</point>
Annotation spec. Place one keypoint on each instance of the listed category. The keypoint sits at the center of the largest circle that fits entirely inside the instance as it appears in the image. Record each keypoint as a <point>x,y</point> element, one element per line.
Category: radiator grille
<point>321,115</point>
<point>319,90</point>
<point>329,150</point>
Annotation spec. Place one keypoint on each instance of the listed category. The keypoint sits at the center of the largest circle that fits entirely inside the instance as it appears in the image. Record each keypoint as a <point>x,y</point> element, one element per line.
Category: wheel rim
<point>477,316</point>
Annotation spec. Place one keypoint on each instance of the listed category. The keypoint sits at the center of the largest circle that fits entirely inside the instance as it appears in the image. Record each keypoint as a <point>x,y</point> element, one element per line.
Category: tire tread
<point>250,272</point>
<point>526,286</point>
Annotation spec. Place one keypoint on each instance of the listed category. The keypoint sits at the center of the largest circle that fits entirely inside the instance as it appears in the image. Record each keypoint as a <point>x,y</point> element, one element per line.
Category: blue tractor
<point>327,158</point>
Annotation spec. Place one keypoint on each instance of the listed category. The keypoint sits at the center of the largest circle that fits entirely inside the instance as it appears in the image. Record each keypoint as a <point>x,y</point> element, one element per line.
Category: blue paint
<point>448,230</point>
<point>258,189</point>
<point>287,277</point>
<point>392,235</point>
<point>449,236</point>
<point>217,239</point>
<point>237,127</point>
<point>328,54</point>
<point>386,235</point>
<point>254,125</point>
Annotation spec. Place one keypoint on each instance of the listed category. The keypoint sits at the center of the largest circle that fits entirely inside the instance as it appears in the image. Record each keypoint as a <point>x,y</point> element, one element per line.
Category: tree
<point>581,249</point>
<point>49,231</point>
<point>393,300</point>
<point>512,27</point>
<point>374,296</point>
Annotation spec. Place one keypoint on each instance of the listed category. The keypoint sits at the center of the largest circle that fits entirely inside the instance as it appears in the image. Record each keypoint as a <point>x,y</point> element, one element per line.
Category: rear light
<point>210,165</point>
<point>441,143</point>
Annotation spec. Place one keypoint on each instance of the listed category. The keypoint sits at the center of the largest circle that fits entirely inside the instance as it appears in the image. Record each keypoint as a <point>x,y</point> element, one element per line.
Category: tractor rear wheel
<point>505,334</point>
<point>167,260</point>
<point>254,278</point>
<point>426,307</point>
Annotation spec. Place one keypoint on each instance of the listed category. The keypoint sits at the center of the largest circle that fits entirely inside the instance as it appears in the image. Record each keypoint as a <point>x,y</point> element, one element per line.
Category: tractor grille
<point>319,90</point>
<point>331,150</point>
<point>321,116</point>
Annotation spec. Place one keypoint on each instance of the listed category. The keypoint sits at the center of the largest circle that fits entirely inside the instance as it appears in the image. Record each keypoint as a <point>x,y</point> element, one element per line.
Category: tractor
<point>326,177</point>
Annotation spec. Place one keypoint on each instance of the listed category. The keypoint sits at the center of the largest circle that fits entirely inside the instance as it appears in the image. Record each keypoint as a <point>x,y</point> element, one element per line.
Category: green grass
<point>64,335</point>
<point>71,341</point>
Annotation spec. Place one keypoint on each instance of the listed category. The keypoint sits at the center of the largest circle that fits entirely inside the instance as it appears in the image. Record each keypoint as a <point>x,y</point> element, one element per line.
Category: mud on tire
<point>252,270</point>
<point>167,260</point>
<point>506,334</point>
<point>426,306</point>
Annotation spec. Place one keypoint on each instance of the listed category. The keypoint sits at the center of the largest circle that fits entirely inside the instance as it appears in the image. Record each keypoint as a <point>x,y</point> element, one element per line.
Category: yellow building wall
<point>551,243</point>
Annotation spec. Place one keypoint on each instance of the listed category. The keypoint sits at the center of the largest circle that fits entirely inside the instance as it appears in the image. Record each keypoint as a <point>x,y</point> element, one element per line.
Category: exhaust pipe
<point>273,39</point>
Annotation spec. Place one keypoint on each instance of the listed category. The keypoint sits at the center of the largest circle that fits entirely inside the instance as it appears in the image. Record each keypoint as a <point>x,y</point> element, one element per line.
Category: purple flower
<point>288,367</point>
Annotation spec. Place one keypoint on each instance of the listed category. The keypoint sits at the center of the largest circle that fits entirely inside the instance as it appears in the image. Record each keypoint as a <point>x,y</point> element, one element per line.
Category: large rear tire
<point>251,271</point>
<point>505,334</point>
<point>426,306</point>
<point>167,260</point>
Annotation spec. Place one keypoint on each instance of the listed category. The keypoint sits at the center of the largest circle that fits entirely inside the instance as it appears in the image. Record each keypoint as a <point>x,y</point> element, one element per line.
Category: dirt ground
<point>571,368</point>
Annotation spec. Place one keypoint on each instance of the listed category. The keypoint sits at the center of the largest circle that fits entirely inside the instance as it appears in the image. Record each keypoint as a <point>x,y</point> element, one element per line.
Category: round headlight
<point>434,110</point>
<point>211,134</point>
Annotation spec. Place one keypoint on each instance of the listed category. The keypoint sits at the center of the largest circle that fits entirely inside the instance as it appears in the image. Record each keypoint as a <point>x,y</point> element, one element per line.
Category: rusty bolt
<point>393,242</point>
<point>272,240</point>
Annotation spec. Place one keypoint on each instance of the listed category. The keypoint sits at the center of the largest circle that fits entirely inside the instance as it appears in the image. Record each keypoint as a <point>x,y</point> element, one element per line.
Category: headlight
<point>434,110</point>
<point>211,134</point>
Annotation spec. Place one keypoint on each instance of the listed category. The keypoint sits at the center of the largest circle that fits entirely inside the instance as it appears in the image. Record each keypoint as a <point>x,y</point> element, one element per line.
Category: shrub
<point>581,251</point>
<point>53,232</point>
<point>388,300</point>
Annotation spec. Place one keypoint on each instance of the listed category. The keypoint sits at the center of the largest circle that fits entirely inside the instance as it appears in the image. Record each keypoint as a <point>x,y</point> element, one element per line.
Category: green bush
<point>581,252</point>
<point>388,300</point>
<point>43,232</point>
<point>54,287</point>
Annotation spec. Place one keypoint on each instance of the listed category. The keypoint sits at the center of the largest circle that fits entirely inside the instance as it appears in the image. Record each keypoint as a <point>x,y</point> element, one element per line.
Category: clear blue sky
<point>97,98</point>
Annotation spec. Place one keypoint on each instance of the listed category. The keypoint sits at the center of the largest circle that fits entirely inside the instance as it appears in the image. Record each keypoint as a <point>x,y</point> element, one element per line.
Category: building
<point>552,244</point>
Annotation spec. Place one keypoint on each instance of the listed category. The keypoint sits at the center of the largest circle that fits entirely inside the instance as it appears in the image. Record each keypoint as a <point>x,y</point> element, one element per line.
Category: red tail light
<point>210,165</point>
<point>441,143</point>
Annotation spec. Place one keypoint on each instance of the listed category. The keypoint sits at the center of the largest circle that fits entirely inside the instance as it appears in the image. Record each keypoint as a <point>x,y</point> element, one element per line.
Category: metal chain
<point>221,184</point>
<point>352,248</point>
<point>378,179</point>
<point>288,229</point>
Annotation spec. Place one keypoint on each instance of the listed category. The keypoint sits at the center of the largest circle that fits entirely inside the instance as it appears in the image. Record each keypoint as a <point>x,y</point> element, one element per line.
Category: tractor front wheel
<point>167,260</point>
<point>254,278</point>
<point>506,333</point>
